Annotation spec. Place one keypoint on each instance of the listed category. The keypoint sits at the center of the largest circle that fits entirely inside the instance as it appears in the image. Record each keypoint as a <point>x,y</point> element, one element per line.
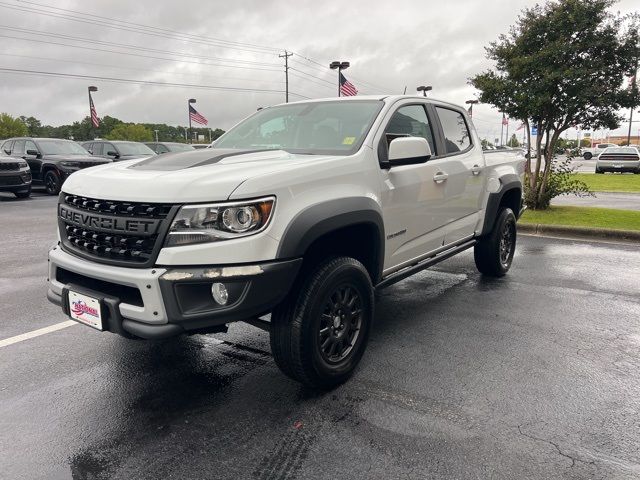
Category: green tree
<point>562,64</point>
<point>130,131</point>
<point>12,127</point>
<point>513,141</point>
<point>34,126</point>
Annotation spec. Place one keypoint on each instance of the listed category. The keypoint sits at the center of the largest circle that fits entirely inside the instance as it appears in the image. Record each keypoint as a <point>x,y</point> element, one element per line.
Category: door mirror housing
<point>111,153</point>
<point>408,151</point>
<point>33,153</point>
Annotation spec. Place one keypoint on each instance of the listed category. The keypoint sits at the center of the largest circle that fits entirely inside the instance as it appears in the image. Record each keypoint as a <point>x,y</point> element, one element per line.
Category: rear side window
<point>412,121</point>
<point>98,148</point>
<point>18,147</point>
<point>456,133</point>
<point>160,148</point>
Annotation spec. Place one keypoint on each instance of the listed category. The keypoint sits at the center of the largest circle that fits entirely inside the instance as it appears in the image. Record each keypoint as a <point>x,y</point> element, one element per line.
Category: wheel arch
<point>351,226</point>
<point>509,195</point>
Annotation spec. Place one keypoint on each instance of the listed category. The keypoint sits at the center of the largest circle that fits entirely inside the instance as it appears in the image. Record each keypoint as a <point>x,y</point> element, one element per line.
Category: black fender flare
<point>508,182</point>
<point>317,220</point>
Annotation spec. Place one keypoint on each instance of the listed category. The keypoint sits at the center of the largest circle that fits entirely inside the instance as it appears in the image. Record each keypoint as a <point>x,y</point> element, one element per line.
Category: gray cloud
<point>390,46</point>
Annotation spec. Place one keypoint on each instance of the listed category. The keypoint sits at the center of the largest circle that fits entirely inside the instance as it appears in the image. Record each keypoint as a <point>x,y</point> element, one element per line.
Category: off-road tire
<point>489,253</point>
<point>52,182</point>
<point>299,325</point>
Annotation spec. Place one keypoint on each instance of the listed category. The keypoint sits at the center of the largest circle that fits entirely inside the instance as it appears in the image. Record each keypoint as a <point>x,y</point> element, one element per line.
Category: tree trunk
<point>535,184</point>
<point>548,157</point>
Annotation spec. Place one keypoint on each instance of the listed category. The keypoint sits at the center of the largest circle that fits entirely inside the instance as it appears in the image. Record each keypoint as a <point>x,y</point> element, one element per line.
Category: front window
<point>134,149</point>
<point>314,128</point>
<point>60,147</point>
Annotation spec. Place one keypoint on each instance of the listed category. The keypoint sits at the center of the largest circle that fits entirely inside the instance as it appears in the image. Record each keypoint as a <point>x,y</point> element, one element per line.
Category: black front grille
<point>126,294</point>
<point>9,166</point>
<point>113,244</point>
<point>9,181</point>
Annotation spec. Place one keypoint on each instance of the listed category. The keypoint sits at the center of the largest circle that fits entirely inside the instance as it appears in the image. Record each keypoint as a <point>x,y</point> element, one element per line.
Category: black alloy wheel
<point>52,182</point>
<point>340,323</point>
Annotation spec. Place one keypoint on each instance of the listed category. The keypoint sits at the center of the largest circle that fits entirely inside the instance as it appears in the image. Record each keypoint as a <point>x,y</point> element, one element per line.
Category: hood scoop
<point>181,160</point>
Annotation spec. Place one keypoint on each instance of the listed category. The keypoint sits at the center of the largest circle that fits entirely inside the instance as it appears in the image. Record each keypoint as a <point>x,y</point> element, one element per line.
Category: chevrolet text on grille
<point>109,224</point>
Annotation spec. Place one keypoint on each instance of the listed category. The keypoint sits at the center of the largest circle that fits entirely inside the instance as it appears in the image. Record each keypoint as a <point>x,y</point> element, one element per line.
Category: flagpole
<point>501,130</point>
<point>191,100</point>
<point>91,131</point>
<point>507,135</point>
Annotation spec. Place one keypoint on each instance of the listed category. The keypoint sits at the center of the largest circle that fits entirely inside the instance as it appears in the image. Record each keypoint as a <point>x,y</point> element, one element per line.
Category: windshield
<point>178,147</point>
<point>133,148</point>
<point>329,128</point>
<point>60,147</point>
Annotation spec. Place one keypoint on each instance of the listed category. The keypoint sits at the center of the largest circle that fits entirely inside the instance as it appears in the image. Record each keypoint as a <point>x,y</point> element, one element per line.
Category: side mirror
<point>111,153</point>
<point>408,151</point>
<point>33,153</point>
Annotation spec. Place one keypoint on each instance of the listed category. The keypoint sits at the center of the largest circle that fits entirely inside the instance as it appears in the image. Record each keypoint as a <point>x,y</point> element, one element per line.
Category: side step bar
<point>426,263</point>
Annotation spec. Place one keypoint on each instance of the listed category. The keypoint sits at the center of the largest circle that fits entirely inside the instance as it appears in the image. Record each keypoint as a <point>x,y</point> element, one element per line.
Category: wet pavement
<point>536,375</point>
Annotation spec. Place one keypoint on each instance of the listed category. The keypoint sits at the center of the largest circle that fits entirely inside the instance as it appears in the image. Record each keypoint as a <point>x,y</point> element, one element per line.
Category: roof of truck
<point>387,98</point>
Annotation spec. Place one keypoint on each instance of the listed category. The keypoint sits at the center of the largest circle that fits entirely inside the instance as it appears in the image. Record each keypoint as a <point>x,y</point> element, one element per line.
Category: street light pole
<point>471,103</point>
<point>424,89</point>
<point>338,65</point>
<point>156,135</point>
<point>191,100</point>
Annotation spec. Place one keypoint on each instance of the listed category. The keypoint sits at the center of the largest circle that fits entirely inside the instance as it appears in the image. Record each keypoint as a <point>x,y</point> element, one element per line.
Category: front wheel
<point>588,156</point>
<point>319,334</point>
<point>493,253</point>
<point>52,182</point>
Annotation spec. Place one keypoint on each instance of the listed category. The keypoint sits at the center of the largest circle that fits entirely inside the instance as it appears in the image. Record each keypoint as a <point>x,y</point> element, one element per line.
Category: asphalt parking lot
<point>536,375</point>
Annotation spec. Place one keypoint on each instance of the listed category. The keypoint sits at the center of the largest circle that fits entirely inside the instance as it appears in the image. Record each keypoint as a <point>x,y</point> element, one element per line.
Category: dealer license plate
<point>617,165</point>
<point>85,309</point>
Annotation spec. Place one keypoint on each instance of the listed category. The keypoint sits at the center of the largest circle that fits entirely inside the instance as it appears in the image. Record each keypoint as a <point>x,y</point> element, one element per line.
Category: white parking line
<point>36,333</point>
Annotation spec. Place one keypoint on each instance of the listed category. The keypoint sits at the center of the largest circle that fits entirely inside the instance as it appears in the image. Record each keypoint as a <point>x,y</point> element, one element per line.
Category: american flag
<point>95,121</point>
<point>520,127</point>
<point>346,87</point>
<point>505,120</point>
<point>196,117</point>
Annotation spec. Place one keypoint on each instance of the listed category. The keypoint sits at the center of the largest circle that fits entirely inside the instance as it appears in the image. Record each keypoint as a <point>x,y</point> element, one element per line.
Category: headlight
<point>69,164</point>
<point>23,164</point>
<point>221,221</point>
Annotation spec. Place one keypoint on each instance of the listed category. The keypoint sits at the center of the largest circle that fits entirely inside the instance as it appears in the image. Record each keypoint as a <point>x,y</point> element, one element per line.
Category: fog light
<point>219,293</point>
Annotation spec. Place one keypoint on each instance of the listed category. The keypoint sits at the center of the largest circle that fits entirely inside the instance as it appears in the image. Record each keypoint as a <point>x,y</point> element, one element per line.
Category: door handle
<point>440,177</point>
<point>476,169</point>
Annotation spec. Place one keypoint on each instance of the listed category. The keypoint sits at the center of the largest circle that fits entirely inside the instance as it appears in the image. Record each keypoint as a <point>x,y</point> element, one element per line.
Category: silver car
<point>619,159</point>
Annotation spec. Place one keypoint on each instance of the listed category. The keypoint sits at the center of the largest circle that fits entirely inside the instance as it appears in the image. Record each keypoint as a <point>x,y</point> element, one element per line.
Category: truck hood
<point>199,176</point>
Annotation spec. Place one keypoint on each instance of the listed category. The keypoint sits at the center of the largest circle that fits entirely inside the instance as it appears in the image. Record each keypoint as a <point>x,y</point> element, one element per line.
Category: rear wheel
<point>493,253</point>
<point>52,182</point>
<point>319,334</point>
<point>588,156</point>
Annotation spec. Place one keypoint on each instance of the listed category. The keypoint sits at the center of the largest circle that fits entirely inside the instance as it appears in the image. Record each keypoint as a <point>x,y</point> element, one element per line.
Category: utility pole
<point>286,74</point>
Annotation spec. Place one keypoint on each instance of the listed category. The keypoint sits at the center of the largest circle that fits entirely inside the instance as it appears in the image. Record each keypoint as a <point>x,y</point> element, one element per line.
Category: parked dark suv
<point>166,147</point>
<point>15,176</point>
<point>118,150</point>
<point>51,160</point>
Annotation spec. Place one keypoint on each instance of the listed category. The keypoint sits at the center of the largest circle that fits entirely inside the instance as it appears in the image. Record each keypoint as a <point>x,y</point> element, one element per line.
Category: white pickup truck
<point>301,211</point>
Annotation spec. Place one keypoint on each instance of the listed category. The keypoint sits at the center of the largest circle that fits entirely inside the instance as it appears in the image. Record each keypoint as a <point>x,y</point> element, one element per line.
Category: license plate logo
<point>85,309</point>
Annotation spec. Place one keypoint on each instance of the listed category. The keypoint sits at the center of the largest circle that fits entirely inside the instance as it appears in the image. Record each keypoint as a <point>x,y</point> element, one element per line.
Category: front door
<point>414,204</point>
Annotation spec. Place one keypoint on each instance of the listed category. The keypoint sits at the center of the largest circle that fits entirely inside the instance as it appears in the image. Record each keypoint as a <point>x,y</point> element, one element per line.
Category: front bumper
<point>15,181</point>
<point>162,302</point>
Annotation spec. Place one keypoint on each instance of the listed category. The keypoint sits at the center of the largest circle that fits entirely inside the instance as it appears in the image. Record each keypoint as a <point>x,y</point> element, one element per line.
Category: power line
<point>120,67</point>
<point>151,27</point>
<point>140,82</point>
<point>133,47</point>
<point>139,54</point>
<point>134,30</point>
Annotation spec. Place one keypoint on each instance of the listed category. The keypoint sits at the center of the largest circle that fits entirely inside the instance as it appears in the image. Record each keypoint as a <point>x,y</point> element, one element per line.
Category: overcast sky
<point>390,45</point>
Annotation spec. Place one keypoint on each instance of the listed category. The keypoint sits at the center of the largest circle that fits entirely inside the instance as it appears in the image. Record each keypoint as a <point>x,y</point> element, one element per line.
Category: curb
<point>580,232</point>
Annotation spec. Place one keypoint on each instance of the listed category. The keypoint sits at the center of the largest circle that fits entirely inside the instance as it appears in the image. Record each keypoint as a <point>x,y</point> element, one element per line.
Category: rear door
<point>465,170</point>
